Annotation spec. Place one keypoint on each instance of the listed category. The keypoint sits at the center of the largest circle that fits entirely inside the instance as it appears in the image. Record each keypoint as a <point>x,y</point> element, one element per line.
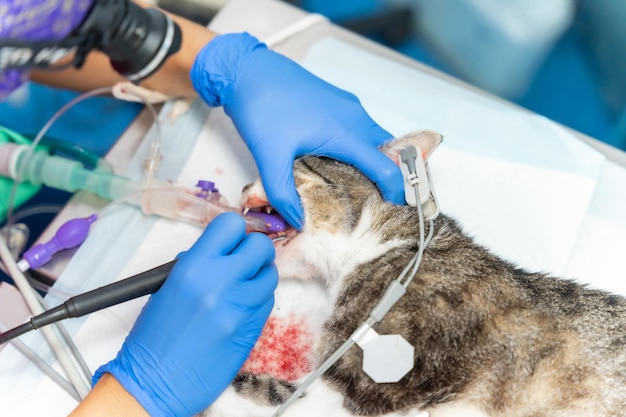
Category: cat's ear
<point>425,140</point>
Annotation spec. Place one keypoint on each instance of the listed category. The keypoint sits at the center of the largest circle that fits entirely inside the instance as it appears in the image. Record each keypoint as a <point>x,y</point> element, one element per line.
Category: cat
<point>487,335</point>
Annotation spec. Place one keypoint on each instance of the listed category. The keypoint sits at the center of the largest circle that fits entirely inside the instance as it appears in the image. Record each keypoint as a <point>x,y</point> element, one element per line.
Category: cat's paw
<point>263,389</point>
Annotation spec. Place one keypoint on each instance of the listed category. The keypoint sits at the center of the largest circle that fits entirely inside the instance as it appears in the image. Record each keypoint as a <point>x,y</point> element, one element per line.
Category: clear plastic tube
<point>175,203</point>
<point>153,197</point>
<point>50,290</point>
<point>63,173</point>
<point>39,137</point>
<point>37,209</point>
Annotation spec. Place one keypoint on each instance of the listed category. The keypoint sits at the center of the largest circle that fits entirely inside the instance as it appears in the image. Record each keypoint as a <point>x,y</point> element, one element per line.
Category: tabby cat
<point>488,336</point>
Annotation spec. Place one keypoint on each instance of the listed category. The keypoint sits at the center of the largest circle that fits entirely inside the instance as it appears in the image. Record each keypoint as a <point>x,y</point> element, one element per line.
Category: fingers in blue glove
<point>227,245</point>
<point>377,166</point>
<point>283,111</point>
<point>280,190</point>
<point>255,251</point>
<point>221,236</point>
<point>194,334</point>
<point>226,235</point>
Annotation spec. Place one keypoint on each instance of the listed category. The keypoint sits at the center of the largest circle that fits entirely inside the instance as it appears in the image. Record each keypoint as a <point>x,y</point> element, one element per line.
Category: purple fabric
<point>36,20</point>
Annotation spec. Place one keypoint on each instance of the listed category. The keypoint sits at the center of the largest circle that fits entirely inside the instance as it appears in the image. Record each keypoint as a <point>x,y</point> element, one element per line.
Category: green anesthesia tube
<point>24,191</point>
<point>68,175</point>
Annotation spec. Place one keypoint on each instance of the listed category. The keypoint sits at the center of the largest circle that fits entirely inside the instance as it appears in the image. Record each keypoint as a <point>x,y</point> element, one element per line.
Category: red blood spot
<point>283,350</point>
<point>219,171</point>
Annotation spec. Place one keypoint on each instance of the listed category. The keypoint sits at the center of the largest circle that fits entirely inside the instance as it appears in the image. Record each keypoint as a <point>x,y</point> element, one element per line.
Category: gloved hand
<point>282,111</point>
<point>195,333</point>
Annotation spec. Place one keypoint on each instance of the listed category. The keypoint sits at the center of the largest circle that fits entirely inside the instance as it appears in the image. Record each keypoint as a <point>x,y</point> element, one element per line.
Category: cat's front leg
<point>263,389</point>
<point>320,400</point>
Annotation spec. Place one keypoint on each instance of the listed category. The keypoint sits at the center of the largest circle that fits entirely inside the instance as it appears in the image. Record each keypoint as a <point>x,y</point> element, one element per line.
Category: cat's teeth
<point>245,210</point>
<point>279,237</point>
<point>268,209</point>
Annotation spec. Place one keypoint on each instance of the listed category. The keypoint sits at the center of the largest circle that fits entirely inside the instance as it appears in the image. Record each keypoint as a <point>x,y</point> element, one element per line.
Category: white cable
<point>35,308</point>
<point>70,343</point>
<point>42,365</point>
<point>422,240</point>
<point>295,28</point>
<point>23,266</point>
<point>316,374</point>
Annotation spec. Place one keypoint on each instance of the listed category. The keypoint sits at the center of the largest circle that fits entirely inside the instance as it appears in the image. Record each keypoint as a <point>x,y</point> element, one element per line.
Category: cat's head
<point>333,193</point>
<point>346,218</point>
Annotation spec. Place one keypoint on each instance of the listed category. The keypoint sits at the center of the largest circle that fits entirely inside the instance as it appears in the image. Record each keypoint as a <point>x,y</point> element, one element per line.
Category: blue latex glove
<point>195,333</point>
<point>282,111</point>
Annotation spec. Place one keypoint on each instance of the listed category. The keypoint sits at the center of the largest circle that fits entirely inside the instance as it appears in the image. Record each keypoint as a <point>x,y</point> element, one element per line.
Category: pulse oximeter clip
<point>415,171</point>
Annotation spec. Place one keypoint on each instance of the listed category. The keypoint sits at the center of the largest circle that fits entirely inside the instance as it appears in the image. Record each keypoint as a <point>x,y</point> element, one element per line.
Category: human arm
<point>109,398</point>
<point>171,79</point>
<point>194,334</point>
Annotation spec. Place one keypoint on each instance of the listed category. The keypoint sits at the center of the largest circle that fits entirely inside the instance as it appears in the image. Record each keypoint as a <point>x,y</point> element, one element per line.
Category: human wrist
<point>109,398</point>
<point>127,373</point>
<point>174,79</point>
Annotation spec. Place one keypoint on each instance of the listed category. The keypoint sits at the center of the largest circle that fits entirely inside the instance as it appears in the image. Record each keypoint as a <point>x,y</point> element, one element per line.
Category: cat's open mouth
<point>277,228</point>
<point>255,204</point>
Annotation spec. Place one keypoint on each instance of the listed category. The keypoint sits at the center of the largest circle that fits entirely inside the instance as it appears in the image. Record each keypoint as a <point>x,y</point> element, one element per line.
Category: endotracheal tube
<point>152,196</point>
<point>175,203</point>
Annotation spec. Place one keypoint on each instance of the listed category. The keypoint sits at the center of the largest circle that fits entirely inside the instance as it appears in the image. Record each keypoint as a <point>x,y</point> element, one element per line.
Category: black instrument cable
<point>118,292</point>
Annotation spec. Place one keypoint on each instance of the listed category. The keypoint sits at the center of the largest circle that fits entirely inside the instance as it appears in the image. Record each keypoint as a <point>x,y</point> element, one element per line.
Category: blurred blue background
<point>578,78</point>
